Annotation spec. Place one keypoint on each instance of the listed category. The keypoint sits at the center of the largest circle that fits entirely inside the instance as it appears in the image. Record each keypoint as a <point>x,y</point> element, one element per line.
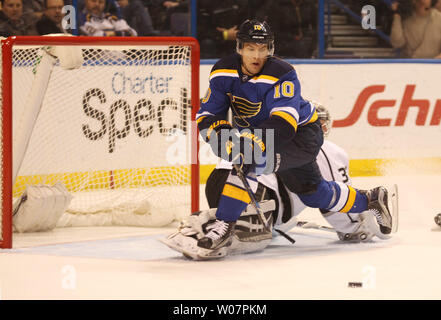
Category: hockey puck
<point>355,284</point>
<point>438,219</point>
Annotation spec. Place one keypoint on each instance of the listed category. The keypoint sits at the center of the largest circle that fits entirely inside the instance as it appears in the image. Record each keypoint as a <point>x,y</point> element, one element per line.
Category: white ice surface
<point>129,263</point>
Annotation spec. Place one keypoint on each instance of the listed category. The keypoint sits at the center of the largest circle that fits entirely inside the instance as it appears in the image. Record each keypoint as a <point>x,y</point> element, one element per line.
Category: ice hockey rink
<point>130,263</point>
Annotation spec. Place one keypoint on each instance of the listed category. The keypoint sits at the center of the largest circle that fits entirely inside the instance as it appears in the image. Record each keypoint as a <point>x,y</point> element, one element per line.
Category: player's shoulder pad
<point>278,68</point>
<point>231,62</point>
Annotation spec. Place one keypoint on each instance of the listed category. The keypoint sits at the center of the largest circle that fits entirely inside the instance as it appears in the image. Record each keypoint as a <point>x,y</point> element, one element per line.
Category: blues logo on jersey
<point>243,109</point>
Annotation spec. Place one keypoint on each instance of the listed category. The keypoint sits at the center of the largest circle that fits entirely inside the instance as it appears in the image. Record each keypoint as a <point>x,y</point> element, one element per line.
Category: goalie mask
<point>255,31</point>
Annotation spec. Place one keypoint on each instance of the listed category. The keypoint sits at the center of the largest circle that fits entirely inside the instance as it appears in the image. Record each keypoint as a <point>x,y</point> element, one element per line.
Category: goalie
<point>280,206</point>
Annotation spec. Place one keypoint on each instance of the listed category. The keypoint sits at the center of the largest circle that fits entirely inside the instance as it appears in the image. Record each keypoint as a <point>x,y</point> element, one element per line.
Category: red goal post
<point>159,52</point>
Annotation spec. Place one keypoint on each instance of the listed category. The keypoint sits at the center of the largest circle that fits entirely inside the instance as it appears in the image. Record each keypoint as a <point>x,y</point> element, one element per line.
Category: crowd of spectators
<point>294,23</point>
<point>95,17</point>
<point>417,31</point>
<point>414,26</point>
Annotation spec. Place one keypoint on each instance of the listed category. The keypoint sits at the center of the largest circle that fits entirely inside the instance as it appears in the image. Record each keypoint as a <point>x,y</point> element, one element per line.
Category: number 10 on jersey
<point>287,90</point>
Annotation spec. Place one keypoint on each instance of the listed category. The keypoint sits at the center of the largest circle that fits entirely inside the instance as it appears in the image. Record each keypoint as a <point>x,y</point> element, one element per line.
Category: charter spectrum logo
<point>408,101</point>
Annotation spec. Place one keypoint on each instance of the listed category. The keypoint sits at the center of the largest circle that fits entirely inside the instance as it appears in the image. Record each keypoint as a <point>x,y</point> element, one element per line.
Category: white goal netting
<point>115,132</point>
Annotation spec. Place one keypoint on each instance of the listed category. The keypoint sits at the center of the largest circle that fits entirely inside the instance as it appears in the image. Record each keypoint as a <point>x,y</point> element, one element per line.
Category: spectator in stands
<point>50,22</point>
<point>294,25</point>
<point>174,8</point>
<point>13,22</point>
<point>137,16</point>
<point>437,5</point>
<point>34,7</point>
<point>419,35</point>
<point>217,26</point>
<point>94,21</point>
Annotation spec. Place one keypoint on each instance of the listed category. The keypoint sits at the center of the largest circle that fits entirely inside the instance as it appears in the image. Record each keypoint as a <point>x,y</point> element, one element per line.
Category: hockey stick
<point>242,177</point>
<point>254,202</point>
<point>313,225</point>
<point>256,205</point>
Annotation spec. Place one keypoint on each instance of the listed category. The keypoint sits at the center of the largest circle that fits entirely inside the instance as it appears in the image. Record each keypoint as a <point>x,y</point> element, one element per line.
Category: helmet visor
<point>255,50</point>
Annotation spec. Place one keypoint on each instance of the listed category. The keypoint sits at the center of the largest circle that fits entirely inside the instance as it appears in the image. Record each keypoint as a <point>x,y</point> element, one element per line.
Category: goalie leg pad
<point>250,234</point>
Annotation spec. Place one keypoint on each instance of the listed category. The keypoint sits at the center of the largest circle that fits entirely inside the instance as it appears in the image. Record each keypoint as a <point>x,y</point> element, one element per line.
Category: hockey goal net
<point>117,130</point>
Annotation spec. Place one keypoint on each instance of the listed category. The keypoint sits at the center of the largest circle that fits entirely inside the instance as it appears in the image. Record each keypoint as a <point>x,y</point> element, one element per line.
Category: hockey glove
<point>218,136</point>
<point>247,151</point>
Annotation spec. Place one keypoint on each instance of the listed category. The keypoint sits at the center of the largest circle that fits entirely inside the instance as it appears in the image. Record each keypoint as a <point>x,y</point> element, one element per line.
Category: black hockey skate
<point>220,235</point>
<point>378,205</point>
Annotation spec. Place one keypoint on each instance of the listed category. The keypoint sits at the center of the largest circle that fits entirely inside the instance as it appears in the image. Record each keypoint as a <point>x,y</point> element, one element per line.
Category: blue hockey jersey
<point>270,99</point>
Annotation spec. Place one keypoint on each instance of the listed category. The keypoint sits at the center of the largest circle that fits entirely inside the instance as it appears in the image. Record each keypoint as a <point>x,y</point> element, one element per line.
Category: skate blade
<point>374,227</point>
<point>207,254</point>
<point>171,245</point>
<point>394,203</point>
<point>193,255</point>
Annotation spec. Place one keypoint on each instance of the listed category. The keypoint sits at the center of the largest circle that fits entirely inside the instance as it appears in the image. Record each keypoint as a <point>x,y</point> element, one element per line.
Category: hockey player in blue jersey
<point>270,116</point>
